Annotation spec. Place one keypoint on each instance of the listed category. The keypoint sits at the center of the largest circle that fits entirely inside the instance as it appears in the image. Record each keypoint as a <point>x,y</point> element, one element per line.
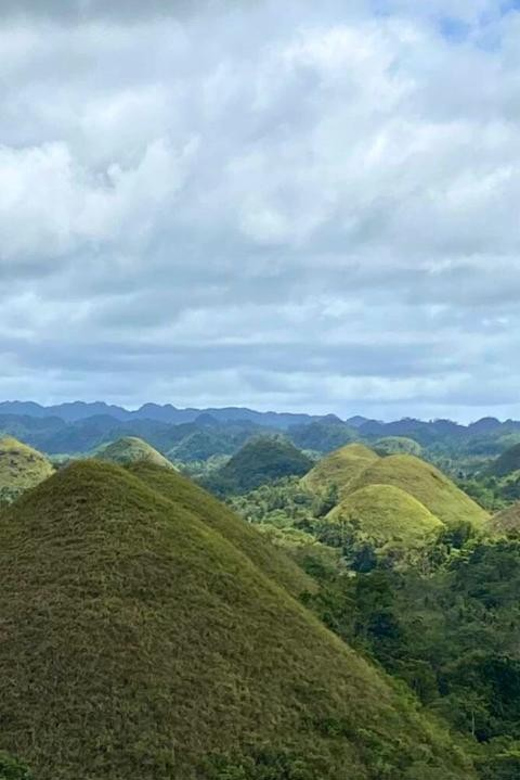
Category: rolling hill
<point>261,460</point>
<point>340,469</point>
<point>21,468</point>
<point>130,449</point>
<point>137,642</point>
<point>388,517</point>
<point>428,485</point>
<point>506,463</point>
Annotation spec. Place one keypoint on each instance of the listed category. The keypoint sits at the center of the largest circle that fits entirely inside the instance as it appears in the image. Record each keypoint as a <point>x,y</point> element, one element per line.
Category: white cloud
<point>309,201</point>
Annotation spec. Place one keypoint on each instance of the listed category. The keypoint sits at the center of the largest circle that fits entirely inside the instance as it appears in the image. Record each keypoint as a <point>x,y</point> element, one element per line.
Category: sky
<point>296,206</point>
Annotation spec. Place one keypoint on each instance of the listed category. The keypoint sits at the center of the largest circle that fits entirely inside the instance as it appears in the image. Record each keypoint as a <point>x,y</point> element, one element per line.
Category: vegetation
<point>219,518</point>
<point>507,521</point>
<point>261,460</point>
<point>451,634</point>
<point>428,485</point>
<point>393,522</point>
<point>137,641</point>
<point>12,769</point>
<point>132,450</point>
<point>21,468</point>
<point>397,445</point>
<point>507,463</point>
<point>340,469</point>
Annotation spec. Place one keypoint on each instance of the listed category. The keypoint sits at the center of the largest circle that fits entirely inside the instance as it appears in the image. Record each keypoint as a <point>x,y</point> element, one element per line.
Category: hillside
<point>506,463</point>
<point>139,643</point>
<point>21,468</point>
<point>508,520</point>
<point>261,460</point>
<point>340,469</point>
<point>130,449</point>
<point>218,517</point>
<point>387,517</point>
<point>428,485</point>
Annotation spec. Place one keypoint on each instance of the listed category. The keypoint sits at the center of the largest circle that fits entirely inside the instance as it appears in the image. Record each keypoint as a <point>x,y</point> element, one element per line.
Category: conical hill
<point>137,642</point>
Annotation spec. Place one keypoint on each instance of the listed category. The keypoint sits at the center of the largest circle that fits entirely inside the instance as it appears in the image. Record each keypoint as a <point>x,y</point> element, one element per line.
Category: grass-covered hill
<point>21,468</point>
<point>388,518</point>
<point>506,463</point>
<point>138,642</point>
<point>261,460</point>
<point>340,469</point>
<point>218,517</point>
<point>508,520</point>
<point>130,449</point>
<point>428,485</point>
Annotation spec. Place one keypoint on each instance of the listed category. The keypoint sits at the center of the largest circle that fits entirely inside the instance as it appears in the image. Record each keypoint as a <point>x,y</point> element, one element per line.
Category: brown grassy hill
<point>217,516</point>
<point>21,468</point>
<point>131,449</point>
<point>508,520</point>
<point>136,642</point>
<point>340,469</point>
<point>428,485</point>
<point>387,517</point>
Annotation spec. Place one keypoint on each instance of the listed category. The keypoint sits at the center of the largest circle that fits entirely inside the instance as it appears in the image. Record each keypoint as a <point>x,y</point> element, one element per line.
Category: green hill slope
<point>340,469</point>
<point>130,449</point>
<point>218,517</point>
<point>21,468</point>
<point>137,643</point>
<point>261,460</point>
<point>387,517</point>
<point>507,463</point>
<point>428,485</point>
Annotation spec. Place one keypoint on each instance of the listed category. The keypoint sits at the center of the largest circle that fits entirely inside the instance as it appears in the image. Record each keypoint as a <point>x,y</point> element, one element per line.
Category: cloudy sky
<point>303,205</point>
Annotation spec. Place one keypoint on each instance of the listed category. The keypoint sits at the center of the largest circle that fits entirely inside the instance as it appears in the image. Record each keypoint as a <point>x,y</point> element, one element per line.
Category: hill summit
<point>131,449</point>
<point>21,468</point>
<point>138,641</point>
<point>261,460</point>
<point>340,469</point>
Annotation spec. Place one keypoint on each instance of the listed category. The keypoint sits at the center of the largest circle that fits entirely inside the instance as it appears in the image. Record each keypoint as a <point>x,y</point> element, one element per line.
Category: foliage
<point>12,769</point>
<point>261,460</point>
<point>391,521</point>
<point>397,445</point>
<point>450,634</point>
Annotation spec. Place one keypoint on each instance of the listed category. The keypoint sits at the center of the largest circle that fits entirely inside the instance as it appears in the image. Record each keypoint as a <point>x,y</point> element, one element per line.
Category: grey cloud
<point>296,205</point>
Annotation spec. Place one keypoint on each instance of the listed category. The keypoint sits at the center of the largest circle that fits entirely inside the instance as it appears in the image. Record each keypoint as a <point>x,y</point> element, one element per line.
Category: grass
<point>340,469</point>
<point>507,521</point>
<point>428,485</point>
<point>131,449</point>
<point>183,492</point>
<point>21,468</point>
<point>136,641</point>
<point>387,517</point>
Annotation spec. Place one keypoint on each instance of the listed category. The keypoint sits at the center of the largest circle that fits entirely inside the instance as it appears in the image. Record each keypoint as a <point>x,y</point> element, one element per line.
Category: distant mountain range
<point>80,410</point>
<point>197,434</point>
